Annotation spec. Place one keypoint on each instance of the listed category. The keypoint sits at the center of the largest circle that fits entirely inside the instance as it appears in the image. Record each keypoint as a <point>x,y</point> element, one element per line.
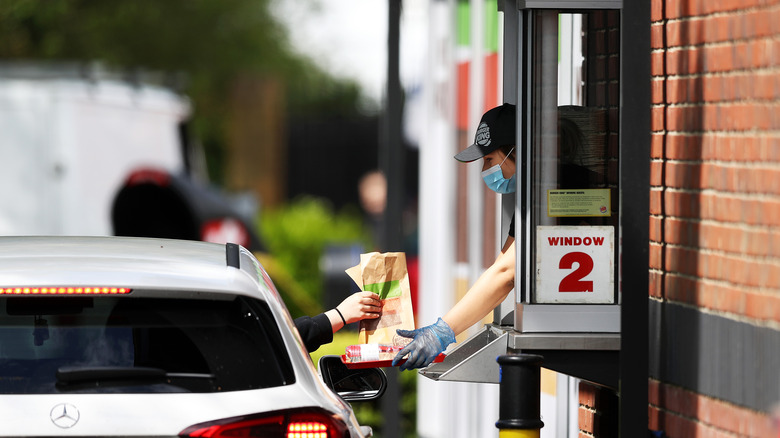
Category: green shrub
<point>297,233</point>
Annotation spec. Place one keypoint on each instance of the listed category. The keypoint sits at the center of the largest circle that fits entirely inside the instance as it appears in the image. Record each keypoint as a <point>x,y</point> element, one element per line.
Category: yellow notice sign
<point>582,202</point>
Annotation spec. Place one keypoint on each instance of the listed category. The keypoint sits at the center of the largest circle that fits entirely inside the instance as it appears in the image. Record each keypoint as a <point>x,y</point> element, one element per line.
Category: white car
<point>107,336</point>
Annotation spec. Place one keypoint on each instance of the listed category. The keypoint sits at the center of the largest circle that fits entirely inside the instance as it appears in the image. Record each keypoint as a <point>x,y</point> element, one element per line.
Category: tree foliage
<point>298,233</point>
<point>207,42</point>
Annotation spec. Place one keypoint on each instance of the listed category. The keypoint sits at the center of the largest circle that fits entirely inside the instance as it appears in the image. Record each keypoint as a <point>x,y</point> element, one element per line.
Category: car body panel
<point>30,415</point>
<point>160,268</point>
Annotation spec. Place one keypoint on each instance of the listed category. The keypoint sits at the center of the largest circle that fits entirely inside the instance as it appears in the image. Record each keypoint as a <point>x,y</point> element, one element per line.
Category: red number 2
<point>573,282</point>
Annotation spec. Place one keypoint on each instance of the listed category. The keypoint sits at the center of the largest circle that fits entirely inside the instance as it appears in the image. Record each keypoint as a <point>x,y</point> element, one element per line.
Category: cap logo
<point>483,135</point>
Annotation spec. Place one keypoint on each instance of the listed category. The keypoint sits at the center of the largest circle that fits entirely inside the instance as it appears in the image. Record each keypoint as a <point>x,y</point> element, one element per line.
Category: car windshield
<point>138,345</point>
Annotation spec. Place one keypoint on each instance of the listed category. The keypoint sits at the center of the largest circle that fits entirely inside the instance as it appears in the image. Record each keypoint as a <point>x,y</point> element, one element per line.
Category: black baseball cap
<point>497,128</point>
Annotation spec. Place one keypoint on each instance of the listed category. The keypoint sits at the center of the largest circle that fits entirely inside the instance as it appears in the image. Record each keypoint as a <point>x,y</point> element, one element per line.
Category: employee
<point>494,143</point>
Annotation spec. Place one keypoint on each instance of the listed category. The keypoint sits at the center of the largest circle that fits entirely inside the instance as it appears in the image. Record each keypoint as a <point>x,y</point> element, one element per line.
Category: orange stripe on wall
<point>462,116</point>
<point>491,81</point>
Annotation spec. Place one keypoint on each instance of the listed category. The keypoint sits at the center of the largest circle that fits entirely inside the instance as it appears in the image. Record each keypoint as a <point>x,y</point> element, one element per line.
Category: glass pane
<point>138,345</point>
<point>574,132</point>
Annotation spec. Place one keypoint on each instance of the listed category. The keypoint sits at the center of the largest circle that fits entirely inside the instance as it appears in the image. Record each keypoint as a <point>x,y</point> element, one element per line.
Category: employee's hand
<point>360,305</point>
<point>427,343</point>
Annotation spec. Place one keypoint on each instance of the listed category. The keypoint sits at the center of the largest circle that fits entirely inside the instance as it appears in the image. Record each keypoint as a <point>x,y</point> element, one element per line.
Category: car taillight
<point>157,177</point>
<point>299,423</point>
<point>307,429</point>
<point>64,290</point>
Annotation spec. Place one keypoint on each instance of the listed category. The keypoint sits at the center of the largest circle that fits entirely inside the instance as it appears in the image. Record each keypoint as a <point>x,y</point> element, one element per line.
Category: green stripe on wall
<point>491,26</point>
<point>463,12</point>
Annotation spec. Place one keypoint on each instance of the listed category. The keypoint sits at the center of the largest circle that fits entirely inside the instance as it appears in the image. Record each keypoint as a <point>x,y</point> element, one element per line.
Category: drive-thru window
<point>581,205</point>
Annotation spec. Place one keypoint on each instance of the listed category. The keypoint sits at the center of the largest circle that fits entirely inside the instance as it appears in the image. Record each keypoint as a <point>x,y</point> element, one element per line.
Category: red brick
<point>654,418</point>
<point>658,114</point>
<point>656,228</point>
<point>656,201</point>
<point>682,175</point>
<point>683,413</point>
<point>681,204</point>
<point>657,63</point>
<point>656,280</point>
<point>677,90</point>
<point>656,173</point>
<point>678,427</point>
<point>654,391</point>
<point>655,256</point>
<point>762,306</point>
<point>681,232</point>
<point>657,141</point>
<point>585,419</point>
<point>657,36</point>
<point>685,118</point>
<point>656,11</point>
<point>657,91</point>
<point>740,179</point>
<point>684,146</point>
<point>733,268</point>
<point>740,147</point>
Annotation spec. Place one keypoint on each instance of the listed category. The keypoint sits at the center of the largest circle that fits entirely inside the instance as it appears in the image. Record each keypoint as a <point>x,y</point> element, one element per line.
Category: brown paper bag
<point>385,274</point>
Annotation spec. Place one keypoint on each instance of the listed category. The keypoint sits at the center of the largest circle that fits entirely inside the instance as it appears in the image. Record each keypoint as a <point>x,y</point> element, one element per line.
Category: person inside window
<point>494,143</point>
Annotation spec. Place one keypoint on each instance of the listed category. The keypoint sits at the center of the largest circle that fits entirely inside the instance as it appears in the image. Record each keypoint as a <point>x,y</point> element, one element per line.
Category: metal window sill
<point>577,354</point>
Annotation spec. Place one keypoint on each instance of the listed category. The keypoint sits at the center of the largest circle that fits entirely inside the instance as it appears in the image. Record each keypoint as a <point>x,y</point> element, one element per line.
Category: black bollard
<point>519,395</point>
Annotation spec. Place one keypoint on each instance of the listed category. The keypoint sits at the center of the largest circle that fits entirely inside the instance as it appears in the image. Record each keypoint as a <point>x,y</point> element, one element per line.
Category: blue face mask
<point>494,178</point>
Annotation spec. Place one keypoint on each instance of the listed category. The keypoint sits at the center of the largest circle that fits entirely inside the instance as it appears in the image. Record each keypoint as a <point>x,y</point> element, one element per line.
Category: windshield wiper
<point>75,374</point>
<point>78,374</point>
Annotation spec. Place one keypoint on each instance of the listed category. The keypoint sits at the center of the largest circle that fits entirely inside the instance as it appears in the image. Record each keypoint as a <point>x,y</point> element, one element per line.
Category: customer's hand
<point>427,343</point>
<point>360,305</point>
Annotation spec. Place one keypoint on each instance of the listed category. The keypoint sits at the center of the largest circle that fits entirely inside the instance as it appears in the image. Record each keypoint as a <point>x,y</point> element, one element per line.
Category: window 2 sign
<point>575,264</point>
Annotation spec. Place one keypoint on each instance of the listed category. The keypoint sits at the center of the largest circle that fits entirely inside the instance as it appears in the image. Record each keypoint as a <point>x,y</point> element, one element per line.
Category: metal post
<point>519,411</point>
<point>391,154</point>
<point>391,161</point>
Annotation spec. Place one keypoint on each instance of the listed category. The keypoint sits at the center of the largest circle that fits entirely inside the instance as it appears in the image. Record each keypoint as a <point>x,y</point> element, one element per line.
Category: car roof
<point>138,263</point>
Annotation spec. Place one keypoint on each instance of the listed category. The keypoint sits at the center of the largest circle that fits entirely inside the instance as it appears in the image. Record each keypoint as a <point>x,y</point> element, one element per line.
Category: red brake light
<point>305,423</point>
<point>308,429</point>
<point>149,176</point>
<point>59,290</point>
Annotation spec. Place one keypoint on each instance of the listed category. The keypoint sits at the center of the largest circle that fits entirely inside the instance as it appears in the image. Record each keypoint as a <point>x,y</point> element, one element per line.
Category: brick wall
<point>715,195</point>
<point>598,412</point>
<point>682,413</point>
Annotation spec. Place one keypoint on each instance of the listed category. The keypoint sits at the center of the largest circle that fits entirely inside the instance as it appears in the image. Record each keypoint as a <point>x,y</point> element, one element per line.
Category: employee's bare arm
<point>490,289</point>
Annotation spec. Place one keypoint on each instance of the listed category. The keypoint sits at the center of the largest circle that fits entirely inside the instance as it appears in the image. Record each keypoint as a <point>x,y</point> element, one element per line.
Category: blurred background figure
<point>372,192</point>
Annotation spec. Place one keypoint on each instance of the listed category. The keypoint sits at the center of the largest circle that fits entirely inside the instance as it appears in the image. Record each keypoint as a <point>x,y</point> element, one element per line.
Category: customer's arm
<point>318,330</point>
<point>358,306</point>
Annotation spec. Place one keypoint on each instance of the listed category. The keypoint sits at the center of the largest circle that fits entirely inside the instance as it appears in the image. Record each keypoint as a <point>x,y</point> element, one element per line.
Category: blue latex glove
<point>428,342</point>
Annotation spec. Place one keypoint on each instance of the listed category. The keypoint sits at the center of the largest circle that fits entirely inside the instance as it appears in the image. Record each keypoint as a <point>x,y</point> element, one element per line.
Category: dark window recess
<point>138,345</point>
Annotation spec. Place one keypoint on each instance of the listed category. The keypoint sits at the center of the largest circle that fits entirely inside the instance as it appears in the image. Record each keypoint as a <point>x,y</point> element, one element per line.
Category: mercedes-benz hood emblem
<point>64,415</point>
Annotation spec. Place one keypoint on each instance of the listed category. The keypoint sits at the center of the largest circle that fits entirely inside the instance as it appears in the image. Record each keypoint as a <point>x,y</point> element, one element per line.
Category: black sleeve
<point>512,227</point>
<point>315,330</point>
